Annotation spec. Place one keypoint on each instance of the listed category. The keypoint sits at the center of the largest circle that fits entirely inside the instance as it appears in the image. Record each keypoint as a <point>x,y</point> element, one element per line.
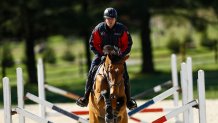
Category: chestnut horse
<point>107,101</point>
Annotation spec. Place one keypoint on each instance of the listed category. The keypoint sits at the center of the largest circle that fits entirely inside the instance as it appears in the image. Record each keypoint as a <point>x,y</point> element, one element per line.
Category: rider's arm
<point>95,43</point>
<point>126,42</point>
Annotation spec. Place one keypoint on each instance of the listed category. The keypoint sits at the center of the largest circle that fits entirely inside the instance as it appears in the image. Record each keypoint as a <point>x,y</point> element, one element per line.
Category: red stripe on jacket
<point>124,42</point>
<point>97,42</point>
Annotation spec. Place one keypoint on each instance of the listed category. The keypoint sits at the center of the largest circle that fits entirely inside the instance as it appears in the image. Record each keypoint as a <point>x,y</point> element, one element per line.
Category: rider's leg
<point>83,101</point>
<point>131,103</point>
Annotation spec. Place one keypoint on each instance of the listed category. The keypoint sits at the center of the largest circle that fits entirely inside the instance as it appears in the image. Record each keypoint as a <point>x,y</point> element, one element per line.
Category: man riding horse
<point>109,32</point>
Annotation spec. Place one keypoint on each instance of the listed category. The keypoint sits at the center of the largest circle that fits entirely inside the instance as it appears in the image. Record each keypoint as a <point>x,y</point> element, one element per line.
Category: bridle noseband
<point>106,74</point>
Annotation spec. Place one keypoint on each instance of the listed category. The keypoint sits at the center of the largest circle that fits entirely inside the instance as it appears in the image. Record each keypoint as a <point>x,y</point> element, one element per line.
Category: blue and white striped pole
<point>159,97</point>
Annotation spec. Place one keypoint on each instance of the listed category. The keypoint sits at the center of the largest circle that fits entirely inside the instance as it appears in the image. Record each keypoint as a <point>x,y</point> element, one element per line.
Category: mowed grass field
<point>71,76</point>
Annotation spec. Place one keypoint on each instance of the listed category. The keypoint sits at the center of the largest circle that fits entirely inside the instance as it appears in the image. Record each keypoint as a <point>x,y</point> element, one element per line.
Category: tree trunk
<point>86,34</point>
<point>30,60</point>
<point>28,34</point>
<point>88,55</point>
<point>3,70</point>
<point>147,58</point>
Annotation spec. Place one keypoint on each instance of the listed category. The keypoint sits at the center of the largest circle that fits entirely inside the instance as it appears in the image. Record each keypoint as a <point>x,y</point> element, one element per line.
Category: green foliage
<point>68,56</point>
<point>49,55</point>
<point>7,57</point>
<point>174,45</point>
<point>208,43</point>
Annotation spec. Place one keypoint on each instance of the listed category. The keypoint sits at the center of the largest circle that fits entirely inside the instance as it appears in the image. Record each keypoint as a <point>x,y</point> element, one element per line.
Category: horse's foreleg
<point>92,117</point>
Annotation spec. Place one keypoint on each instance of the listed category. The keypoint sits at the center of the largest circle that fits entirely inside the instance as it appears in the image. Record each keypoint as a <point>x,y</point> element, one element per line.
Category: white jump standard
<point>18,110</point>
<point>200,105</point>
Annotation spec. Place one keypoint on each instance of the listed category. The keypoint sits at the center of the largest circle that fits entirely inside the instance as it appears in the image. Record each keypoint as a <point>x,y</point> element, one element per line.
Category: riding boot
<point>131,103</point>
<point>83,101</point>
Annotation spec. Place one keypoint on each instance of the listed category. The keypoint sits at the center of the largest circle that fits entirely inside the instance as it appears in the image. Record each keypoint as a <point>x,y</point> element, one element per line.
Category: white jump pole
<point>41,88</point>
<point>20,93</point>
<point>31,115</point>
<point>174,75</point>
<point>184,90</point>
<point>201,97</point>
<point>190,87</point>
<point>7,100</point>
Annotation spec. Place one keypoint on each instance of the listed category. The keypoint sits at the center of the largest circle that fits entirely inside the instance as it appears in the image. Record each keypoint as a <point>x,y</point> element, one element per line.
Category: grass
<point>71,76</point>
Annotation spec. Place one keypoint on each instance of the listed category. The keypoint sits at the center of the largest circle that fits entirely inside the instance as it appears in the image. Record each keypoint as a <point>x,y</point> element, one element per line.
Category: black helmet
<point>110,13</point>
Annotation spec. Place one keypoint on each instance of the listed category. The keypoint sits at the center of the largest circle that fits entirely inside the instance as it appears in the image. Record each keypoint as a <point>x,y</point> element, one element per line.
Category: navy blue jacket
<point>117,36</point>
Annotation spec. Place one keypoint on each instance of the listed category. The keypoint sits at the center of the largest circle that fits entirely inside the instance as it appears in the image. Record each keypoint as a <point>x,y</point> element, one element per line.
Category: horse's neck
<point>101,69</point>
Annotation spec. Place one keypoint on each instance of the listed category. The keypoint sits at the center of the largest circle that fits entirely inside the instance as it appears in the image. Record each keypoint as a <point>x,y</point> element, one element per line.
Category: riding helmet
<point>110,13</point>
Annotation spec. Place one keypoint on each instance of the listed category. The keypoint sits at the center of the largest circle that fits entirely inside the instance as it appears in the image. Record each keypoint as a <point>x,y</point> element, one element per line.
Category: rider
<point>109,32</point>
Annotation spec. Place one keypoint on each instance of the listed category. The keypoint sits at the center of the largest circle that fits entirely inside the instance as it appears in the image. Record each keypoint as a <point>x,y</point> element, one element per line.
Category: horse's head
<point>114,69</point>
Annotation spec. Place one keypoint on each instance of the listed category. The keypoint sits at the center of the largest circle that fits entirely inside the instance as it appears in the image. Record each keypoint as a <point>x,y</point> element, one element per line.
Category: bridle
<point>106,74</point>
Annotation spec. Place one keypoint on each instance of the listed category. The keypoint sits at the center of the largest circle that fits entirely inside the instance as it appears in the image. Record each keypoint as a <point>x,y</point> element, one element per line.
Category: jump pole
<point>201,97</point>
<point>31,116</point>
<point>201,103</point>
<point>137,120</point>
<point>190,87</point>
<point>176,112</point>
<point>18,110</point>
<point>174,75</point>
<point>158,98</point>
<point>7,100</point>
<point>61,92</point>
<point>184,85</point>
<point>56,108</point>
<point>155,89</point>
<point>41,88</point>
<point>20,94</point>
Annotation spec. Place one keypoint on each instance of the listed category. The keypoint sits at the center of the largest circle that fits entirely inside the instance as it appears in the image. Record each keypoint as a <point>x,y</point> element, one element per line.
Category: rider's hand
<point>102,58</point>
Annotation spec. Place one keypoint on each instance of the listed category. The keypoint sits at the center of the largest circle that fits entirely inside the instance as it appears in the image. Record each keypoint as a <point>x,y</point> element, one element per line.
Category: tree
<point>32,20</point>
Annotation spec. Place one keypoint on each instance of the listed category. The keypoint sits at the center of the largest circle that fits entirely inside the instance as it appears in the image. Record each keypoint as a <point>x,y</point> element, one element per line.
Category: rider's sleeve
<point>95,43</point>
<point>126,42</point>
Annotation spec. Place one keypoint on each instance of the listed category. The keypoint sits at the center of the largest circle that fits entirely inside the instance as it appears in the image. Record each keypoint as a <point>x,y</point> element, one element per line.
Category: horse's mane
<point>112,52</point>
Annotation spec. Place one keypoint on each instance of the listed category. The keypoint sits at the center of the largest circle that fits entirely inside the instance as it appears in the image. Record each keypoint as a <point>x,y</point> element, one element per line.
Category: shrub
<point>7,57</point>
<point>208,43</point>
<point>174,45</point>
<point>49,55</point>
<point>68,56</point>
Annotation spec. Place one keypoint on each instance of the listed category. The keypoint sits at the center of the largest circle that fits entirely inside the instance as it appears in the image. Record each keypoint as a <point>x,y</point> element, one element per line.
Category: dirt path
<point>211,107</point>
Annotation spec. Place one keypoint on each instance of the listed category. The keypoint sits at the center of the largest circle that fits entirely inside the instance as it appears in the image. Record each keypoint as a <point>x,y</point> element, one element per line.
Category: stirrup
<point>83,102</point>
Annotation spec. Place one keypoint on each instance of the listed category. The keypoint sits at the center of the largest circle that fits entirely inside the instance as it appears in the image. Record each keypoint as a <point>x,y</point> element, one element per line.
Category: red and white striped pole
<point>175,112</point>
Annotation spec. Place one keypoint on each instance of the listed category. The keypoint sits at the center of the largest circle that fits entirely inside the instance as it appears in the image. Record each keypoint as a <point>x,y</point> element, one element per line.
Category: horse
<point>107,101</point>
